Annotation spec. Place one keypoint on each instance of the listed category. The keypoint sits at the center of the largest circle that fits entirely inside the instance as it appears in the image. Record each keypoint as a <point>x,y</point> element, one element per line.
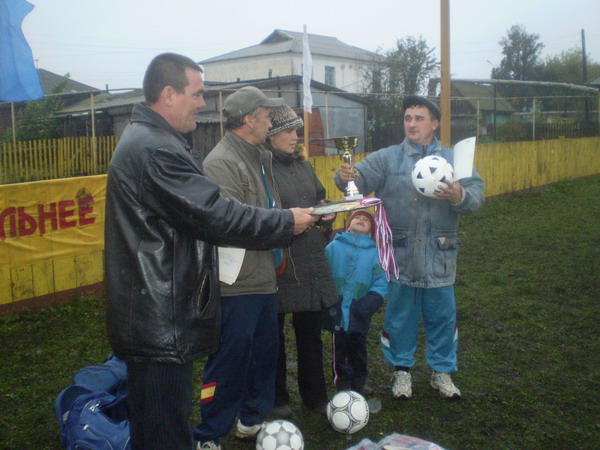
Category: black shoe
<point>366,390</point>
<point>283,411</point>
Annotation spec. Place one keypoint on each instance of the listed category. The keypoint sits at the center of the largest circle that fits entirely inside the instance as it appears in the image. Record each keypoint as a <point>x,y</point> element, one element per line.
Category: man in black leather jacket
<point>162,219</point>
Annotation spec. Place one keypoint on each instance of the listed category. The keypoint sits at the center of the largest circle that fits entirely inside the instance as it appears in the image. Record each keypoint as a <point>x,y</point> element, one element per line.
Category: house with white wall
<point>335,63</point>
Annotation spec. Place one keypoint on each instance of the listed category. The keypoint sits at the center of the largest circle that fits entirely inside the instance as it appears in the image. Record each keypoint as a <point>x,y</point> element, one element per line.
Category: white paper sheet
<point>464,152</point>
<point>230,263</point>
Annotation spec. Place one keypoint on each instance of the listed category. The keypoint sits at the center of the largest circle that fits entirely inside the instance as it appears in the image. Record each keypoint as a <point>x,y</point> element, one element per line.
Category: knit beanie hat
<point>367,214</point>
<point>283,118</point>
<point>381,234</point>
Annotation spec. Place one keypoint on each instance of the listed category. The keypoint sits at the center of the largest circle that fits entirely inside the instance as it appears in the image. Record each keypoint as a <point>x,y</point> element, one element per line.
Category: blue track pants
<point>406,305</point>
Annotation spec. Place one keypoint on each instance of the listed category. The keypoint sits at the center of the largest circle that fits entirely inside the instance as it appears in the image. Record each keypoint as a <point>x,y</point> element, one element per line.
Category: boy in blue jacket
<point>362,285</point>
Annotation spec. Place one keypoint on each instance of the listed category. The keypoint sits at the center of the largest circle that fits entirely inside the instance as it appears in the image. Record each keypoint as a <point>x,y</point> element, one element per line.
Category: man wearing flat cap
<point>239,379</point>
<point>425,236</point>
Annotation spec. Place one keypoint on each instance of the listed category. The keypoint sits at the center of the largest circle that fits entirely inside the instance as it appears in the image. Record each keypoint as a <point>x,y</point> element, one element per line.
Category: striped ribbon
<point>383,238</point>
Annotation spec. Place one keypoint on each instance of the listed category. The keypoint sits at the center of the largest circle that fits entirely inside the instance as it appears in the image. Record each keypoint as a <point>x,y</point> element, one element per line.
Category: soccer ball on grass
<point>348,412</point>
<point>279,435</point>
<point>431,172</point>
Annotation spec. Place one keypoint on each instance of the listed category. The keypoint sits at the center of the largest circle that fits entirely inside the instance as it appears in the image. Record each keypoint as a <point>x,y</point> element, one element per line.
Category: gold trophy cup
<point>345,144</point>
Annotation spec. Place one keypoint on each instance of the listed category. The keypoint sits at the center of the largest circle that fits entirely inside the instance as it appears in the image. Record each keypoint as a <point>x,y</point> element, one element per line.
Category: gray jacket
<point>235,165</point>
<point>425,230</point>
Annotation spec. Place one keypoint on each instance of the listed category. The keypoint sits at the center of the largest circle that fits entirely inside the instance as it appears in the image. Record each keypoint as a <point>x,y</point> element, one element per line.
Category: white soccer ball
<point>279,435</point>
<point>431,172</point>
<point>348,412</point>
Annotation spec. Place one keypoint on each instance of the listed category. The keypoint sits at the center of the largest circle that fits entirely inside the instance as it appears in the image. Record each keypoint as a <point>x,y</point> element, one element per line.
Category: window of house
<point>330,76</point>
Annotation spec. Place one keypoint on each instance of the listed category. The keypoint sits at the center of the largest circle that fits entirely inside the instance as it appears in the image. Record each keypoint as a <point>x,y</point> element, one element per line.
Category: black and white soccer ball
<point>279,435</point>
<point>431,172</point>
<point>348,412</point>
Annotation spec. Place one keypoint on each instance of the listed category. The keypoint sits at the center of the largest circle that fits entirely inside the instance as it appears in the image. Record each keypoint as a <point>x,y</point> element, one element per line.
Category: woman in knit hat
<point>305,285</point>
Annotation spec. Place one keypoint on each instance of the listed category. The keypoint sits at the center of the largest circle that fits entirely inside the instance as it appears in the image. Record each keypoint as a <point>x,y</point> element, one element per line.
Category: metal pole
<point>221,112</point>
<point>533,121</point>
<point>94,148</point>
<point>14,122</point>
<point>584,61</point>
<point>584,57</point>
<point>327,115</point>
<point>477,122</point>
<point>306,134</point>
<point>494,113</point>
<point>446,136</point>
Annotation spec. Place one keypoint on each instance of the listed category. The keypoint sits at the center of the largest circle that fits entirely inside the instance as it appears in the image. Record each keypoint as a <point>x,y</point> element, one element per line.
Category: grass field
<point>528,293</point>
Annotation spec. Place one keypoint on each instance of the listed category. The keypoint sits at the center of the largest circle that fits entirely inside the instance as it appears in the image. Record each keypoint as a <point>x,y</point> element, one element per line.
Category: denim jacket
<point>425,230</point>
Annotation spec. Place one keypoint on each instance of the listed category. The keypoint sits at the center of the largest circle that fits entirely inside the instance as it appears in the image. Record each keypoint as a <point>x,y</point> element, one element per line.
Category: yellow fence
<point>514,166</point>
<point>51,232</point>
<point>48,159</point>
<point>51,237</point>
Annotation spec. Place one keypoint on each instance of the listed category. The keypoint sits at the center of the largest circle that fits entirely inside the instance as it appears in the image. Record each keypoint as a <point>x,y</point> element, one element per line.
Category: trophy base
<point>352,192</point>
<point>353,197</point>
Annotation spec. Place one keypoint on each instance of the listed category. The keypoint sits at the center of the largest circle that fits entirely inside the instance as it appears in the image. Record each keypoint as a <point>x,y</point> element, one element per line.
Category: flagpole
<point>14,122</point>
<point>306,133</point>
<point>306,78</point>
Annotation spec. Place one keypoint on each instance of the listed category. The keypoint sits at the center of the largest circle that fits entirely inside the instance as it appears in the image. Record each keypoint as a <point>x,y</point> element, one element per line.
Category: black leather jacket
<point>162,217</point>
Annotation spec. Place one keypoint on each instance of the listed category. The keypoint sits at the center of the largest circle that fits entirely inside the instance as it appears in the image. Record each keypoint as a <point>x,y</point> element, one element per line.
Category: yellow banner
<point>52,219</point>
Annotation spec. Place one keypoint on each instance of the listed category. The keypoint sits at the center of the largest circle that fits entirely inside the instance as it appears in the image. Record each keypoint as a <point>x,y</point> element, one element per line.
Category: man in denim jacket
<point>425,234</point>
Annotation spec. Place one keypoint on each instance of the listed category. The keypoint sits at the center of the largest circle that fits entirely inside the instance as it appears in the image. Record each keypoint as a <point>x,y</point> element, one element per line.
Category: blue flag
<point>19,79</point>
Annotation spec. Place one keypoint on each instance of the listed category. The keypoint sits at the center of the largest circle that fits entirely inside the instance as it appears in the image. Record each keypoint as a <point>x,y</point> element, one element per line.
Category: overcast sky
<point>110,42</point>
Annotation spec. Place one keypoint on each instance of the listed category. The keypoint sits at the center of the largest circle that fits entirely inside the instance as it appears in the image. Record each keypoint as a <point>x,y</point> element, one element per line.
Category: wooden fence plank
<point>6,295</point>
<point>43,278</point>
<point>22,281</point>
<point>65,273</point>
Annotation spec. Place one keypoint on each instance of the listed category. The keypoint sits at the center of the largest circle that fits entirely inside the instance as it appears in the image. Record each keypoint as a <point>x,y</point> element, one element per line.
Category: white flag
<point>306,72</point>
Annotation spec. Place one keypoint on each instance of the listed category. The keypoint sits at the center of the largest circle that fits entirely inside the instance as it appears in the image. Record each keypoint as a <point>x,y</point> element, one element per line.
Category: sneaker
<point>402,387</point>
<point>244,432</point>
<point>442,382</point>
<point>208,445</point>
<point>283,411</point>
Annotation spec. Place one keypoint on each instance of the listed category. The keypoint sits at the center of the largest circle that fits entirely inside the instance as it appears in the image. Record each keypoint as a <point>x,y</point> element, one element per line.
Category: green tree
<point>36,120</point>
<point>522,53</point>
<point>399,71</point>
<point>521,61</point>
<point>409,66</point>
<point>567,67</point>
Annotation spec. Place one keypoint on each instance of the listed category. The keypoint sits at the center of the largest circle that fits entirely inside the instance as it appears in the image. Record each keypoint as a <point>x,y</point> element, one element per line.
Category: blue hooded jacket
<point>359,280</point>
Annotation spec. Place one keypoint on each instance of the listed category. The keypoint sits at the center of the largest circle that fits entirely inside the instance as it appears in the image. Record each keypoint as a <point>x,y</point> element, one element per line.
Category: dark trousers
<point>160,403</point>
<point>309,348</point>
<point>349,360</point>
<point>242,371</point>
